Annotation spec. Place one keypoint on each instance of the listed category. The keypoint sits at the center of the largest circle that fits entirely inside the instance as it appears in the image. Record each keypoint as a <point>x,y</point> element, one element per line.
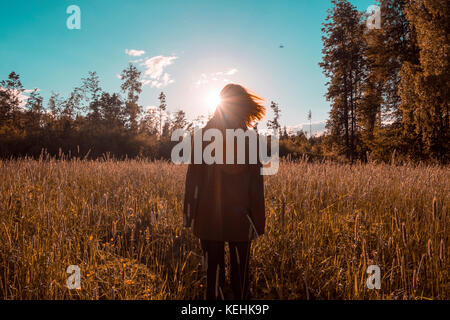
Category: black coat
<point>225,202</point>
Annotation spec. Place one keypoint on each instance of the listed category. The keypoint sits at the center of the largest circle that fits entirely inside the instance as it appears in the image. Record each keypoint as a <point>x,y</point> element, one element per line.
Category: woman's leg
<point>239,260</point>
<point>213,252</point>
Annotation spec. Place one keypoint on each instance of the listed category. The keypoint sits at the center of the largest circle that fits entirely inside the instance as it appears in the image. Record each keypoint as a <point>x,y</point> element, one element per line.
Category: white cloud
<point>134,52</point>
<point>155,66</point>
<point>166,79</point>
<point>155,84</point>
<point>203,80</point>
<point>231,72</point>
<point>31,90</point>
<point>154,73</point>
<point>215,76</point>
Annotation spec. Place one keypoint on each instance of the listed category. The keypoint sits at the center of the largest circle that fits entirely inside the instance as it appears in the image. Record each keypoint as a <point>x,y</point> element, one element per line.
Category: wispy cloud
<point>155,74</point>
<point>155,65</point>
<point>31,90</point>
<point>231,72</point>
<point>215,76</point>
<point>134,52</point>
<point>203,80</point>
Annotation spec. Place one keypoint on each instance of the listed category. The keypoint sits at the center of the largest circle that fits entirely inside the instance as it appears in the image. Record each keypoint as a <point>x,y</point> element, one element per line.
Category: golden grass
<point>121,223</point>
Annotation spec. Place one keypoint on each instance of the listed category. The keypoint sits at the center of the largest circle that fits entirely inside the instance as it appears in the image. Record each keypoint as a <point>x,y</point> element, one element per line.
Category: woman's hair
<point>239,107</point>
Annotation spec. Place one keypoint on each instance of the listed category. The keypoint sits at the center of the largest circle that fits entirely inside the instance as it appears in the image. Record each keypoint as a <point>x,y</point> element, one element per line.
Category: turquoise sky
<point>200,44</point>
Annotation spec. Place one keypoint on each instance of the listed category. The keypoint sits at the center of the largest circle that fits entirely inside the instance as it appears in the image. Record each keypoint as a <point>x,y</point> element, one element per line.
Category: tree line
<point>90,122</point>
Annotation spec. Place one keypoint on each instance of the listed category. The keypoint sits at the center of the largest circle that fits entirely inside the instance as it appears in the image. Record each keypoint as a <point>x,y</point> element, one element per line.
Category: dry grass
<point>121,223</point>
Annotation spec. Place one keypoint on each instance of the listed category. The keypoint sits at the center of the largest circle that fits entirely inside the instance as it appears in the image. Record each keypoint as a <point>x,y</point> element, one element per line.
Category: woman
<point>225,202</point>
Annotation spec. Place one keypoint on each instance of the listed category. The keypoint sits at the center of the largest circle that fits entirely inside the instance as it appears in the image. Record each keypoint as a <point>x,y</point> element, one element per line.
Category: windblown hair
<point>239,107</point>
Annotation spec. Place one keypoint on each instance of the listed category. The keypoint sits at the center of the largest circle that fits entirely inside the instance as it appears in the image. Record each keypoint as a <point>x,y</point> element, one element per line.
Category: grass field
<point>121,223</point>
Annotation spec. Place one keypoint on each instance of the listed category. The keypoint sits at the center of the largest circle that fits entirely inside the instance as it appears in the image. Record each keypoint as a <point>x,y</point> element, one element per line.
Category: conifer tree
<point>133,87</point>
<point>343,65</point>
<point>424,85</point>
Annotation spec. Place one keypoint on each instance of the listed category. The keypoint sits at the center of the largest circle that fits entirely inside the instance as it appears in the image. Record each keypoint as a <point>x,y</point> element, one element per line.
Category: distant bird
<point>281,46</point>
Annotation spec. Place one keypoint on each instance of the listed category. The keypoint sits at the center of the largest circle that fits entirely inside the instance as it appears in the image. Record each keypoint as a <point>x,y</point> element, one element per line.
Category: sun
<point>212,100</point>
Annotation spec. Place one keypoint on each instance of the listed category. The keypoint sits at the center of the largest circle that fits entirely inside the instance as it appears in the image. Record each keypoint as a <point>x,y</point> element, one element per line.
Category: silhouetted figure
<point>225,202</point>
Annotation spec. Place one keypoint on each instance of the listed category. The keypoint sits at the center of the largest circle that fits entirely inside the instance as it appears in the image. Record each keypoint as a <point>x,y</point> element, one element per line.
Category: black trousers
<point>214,255</point>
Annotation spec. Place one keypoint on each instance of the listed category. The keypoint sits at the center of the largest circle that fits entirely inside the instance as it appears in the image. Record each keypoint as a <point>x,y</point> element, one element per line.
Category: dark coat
<point>225,202</point>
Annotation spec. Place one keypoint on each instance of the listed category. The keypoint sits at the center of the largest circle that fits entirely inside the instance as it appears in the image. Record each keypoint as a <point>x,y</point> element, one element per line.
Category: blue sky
<point>192,48</point>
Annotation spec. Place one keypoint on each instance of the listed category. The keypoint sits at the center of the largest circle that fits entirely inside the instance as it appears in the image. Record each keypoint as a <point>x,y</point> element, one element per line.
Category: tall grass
<point>121,223</point>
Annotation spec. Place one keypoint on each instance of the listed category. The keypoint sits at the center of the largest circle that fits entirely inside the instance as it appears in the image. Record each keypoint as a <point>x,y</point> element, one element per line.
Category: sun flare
<point>212,100</point>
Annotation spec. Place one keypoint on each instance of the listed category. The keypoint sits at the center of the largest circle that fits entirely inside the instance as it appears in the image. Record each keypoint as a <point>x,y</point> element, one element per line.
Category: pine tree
<point>275,123</point>
<point>424,86</point>
<point>167,127</point>
<point>133,87</point>
<point>150,122</point>
<point>111,107</point>
<point>34,107</point>
<point>179,121</point>
<point>387,50</point>
<point>91,93</point>
<point>285,134</point>
<point>10,91</point>
<point>72,105</point>
<point>343,64</point>
<point>310,124</point>
<point>55,105</point>
<point>162,107</point>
